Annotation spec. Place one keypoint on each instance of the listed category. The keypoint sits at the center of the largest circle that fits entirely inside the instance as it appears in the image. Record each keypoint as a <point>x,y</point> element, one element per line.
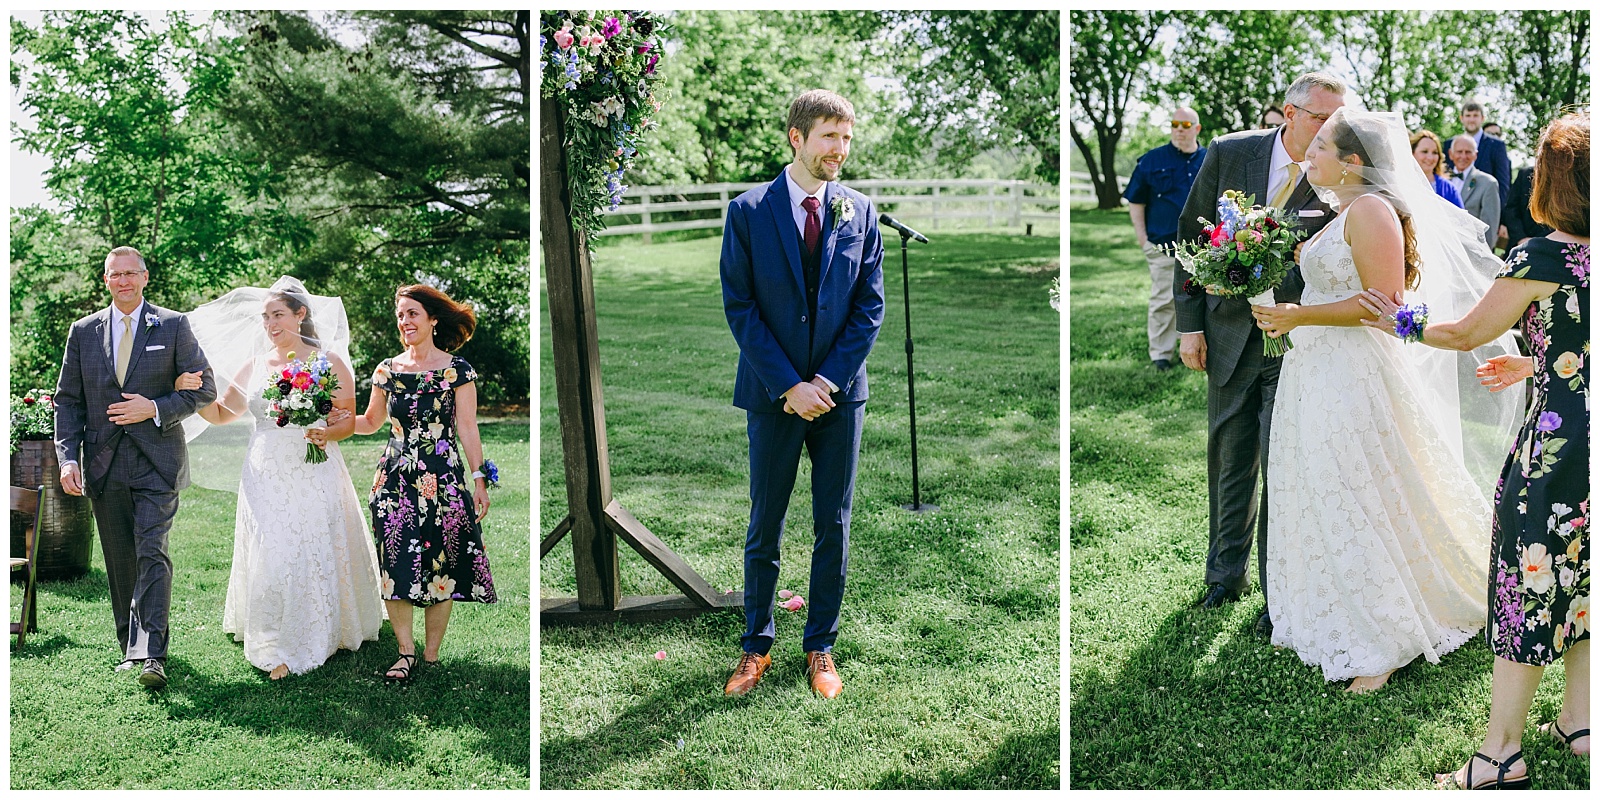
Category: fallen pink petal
<point>661,655</point>
<point>785,594</point>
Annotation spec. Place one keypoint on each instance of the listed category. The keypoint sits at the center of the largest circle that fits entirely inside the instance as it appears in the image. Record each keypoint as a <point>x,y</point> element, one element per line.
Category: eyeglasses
<point>1184,124</point>
<point>117,276</point>
<point>1317,117</point>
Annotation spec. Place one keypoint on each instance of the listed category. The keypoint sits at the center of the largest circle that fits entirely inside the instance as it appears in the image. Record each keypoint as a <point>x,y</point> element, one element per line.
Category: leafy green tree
<point>729,79</point>
<point>977,80</point>
<point>1230,67</point>
<point>1542,58</point>
<point>125,110</point>
<point>409,153</point>
<point>1112,54</point>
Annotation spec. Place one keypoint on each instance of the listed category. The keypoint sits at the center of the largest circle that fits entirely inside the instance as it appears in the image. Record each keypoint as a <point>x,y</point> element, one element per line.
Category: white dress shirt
<point>1278,173</point>
<point>1460,181</point>
<point>796,196</point>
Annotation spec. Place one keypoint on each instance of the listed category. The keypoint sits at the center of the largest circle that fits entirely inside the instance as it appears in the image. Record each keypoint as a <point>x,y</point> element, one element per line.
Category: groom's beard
<point>820,169</point>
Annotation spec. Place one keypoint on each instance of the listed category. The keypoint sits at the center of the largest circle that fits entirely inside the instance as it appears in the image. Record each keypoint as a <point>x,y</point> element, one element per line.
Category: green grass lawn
<point>950,640</point>
<point>1164,695</point>
<point>221,724</point>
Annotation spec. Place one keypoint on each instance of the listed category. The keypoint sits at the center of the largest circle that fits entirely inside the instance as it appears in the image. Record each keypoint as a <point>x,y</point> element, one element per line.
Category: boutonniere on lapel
<point>1472,183</point>
<point>844,210</point>
<point>151,320</point>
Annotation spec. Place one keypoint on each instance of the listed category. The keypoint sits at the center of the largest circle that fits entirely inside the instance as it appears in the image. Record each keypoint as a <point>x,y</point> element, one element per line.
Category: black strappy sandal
<point>1499,782</point>
<point>1553,730</point>
<point>405,671</point>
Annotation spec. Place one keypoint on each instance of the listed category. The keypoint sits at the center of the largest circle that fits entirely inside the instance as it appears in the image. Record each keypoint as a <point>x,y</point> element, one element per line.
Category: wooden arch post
<point>594,518</point>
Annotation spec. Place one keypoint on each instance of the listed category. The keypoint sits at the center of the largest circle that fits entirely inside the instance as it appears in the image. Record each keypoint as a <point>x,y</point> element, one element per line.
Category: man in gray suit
<point>1220,338</point>
<point>1480,192</point>
<point>115,405</point>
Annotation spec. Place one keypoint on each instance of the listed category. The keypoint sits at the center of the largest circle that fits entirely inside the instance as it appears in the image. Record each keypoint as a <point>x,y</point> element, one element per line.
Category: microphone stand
<point>916,506</point>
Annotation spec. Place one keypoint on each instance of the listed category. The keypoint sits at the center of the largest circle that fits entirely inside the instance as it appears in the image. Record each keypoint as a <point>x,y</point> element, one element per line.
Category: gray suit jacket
<point>1480,196</point>
<point>88,386</point>
<point>1236,161</point>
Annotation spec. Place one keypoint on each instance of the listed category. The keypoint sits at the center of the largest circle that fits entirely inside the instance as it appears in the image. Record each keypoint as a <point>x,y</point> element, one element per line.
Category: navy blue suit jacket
<point>1492,159</point>
<point>764,296</point>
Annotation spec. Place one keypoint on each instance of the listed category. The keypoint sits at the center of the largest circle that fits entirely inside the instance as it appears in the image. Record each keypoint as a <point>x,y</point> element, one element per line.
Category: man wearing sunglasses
<point>1219,336</point>
<point>1156,194</point>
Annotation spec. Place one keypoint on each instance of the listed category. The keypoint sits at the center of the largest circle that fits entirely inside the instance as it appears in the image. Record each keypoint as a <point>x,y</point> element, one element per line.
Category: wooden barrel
<point>66,526</point>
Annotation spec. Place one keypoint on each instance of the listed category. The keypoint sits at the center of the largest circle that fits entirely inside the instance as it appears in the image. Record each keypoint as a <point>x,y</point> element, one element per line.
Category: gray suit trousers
<point>1240,417</point>
<point>134,514</point>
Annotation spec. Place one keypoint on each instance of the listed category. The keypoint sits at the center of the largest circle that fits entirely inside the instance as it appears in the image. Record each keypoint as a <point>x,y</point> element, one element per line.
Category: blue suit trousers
<point>832,441</point>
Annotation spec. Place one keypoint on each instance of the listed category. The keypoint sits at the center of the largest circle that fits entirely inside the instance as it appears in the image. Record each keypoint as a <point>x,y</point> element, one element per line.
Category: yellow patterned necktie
<point>1288,186</point>
<point>124,350</point>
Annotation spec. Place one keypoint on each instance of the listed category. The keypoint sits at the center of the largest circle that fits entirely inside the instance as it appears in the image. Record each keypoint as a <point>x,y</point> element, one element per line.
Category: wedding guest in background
<point>1156,193</point>
<point>1519,223</point>
<point>1429,153</point>
<point>1272,117</point>
<point>1491,151</point>
<point>1480,194</point>
<point>1492,158</point>
<point>1493,129</point>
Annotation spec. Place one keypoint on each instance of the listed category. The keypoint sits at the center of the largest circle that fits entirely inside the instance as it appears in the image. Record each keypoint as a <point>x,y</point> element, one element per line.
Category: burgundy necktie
<point>813,224</point>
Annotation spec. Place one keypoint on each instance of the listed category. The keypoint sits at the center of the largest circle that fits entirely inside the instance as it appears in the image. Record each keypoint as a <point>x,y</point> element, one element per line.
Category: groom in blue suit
<point>802,287</point>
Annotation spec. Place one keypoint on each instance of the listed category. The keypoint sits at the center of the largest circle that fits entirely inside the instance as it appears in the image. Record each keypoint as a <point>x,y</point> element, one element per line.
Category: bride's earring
<point>1342,173</point>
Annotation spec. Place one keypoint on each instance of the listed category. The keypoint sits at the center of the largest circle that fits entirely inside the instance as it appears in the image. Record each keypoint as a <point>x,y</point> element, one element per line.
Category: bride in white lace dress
<point>304,581</point>
<point>1377,548</point>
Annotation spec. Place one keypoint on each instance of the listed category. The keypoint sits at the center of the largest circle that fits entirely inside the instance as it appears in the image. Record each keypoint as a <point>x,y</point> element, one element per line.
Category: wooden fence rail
<point>1080,187</point>
<point>916,202</point>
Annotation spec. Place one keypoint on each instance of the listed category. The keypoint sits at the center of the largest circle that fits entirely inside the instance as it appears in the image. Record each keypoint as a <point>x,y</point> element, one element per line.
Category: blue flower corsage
<point>1409,322</point>
<point>489,473</point>
<point>152,320</point>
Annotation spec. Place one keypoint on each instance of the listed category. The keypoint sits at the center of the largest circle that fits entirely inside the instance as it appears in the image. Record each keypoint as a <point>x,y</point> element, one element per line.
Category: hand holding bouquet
<point>302,393</point>
<point>1249,251</point>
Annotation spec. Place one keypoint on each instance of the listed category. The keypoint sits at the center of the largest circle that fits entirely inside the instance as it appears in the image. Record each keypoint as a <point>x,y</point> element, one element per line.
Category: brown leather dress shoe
<point>824,675</point>
<point>747,674</point>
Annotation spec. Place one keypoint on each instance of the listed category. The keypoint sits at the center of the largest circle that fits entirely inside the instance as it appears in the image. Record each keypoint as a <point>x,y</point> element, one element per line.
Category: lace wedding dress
<point>305,578</point>
<point>1377,546</point>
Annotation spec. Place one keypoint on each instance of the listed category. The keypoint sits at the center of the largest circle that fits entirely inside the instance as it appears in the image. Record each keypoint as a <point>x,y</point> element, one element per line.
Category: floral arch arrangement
<point>601,67</point>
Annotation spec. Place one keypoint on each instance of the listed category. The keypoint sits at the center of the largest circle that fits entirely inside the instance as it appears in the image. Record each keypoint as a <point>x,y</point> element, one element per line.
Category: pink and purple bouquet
<point>1248,252</point>
<point>301,393</point>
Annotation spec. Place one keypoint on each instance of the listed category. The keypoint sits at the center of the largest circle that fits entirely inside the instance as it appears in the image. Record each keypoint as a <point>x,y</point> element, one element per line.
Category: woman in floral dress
<point>1539,560</point>
<point>425,512</point>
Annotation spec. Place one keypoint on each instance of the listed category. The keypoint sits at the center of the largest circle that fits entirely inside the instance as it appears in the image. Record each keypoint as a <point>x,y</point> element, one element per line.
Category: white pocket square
<point>155,347</point>
<point>1311,212</point>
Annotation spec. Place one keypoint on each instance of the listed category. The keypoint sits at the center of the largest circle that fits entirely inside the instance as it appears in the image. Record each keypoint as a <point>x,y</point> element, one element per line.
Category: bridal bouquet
<point>302,393</point>
<point>1249,251</point>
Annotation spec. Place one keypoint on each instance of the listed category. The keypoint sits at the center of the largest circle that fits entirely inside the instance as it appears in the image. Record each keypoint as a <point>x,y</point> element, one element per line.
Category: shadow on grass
<point>1021,761</point>
<point>690,697</point>
<point>1176,712</point>
<point>337,701</point>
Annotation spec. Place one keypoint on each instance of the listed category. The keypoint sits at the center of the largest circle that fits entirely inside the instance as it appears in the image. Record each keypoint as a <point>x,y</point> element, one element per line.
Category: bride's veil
<point>1457,268</point>
<point>229,330</point>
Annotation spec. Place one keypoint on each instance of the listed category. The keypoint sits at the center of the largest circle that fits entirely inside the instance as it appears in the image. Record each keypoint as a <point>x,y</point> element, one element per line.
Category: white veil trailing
<point>229,330</point>
<point>1457,268</point>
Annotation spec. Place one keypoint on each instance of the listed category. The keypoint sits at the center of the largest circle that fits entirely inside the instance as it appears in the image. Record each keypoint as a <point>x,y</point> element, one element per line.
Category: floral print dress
<point>1539,561</point>
<point>430,548</point>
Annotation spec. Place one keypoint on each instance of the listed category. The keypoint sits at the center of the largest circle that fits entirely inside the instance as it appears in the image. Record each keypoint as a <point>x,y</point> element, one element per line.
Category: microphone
<point>904,231</point>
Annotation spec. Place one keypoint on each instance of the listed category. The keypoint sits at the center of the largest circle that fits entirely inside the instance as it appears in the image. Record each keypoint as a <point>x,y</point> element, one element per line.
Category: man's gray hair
<point>126,251</point>
<point>1300,91</point>
<point>1465,138</point>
